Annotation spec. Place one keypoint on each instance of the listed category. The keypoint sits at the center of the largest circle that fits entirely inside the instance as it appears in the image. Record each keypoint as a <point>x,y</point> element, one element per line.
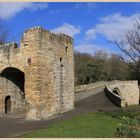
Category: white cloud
<point>88,48</point>
<point>115,25</point>
<point>90,34</point>
<point>67,29</point>
<point>8,10</point>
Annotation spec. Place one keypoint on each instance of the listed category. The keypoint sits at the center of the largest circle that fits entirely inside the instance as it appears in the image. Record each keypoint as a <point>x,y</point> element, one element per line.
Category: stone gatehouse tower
<point>37,77</point>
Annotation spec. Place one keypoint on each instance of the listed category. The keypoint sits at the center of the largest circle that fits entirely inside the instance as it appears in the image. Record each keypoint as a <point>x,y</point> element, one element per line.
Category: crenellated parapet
<point>38,31</point>
<point>9,46</point>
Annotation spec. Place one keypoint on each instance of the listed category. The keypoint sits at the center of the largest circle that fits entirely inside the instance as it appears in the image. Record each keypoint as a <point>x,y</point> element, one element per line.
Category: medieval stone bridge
<point>37,82</point>
<point>38,76</point>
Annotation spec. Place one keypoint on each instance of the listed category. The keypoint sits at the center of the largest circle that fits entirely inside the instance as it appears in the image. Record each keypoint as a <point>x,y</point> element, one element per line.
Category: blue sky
<point>92,25</point>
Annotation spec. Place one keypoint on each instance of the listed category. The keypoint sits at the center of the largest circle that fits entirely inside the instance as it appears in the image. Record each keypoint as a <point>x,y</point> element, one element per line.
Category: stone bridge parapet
<point>90,86</point>
<point>123,93</point>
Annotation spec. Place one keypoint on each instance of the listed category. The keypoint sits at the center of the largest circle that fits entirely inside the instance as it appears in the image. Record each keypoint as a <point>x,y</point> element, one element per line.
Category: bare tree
<point>130,46</point>
<point>4,32</point>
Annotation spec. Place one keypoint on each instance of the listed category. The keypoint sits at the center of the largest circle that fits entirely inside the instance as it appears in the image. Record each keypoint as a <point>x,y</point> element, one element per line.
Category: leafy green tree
<point>100,66</point>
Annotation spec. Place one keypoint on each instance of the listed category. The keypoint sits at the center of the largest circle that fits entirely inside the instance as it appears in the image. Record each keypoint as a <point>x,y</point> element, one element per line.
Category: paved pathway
<point>15,125</point>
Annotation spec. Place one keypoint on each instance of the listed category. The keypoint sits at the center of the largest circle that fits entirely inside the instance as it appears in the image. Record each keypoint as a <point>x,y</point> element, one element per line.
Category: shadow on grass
<point>112,114</point>
<point>131,113</point>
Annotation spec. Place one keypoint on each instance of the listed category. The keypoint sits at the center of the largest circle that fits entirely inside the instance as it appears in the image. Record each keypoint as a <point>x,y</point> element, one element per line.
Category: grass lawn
<point>98,124</point>
<point>88,125</point>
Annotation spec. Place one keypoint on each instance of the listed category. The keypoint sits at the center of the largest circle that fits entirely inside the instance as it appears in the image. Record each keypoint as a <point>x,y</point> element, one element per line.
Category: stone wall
<point>8,88</point>
<point>46,59</point>
<point>90,86</point>
<point>127,90</point>
<point>54,71</point>
<point>114,98</point>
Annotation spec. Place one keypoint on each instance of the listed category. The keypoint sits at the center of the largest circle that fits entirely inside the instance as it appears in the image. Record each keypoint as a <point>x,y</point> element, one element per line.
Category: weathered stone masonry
<point>44,62</point>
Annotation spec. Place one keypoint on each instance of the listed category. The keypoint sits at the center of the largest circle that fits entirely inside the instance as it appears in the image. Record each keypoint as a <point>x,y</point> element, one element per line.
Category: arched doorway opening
<point>16,76</point>
<point>7,104</point>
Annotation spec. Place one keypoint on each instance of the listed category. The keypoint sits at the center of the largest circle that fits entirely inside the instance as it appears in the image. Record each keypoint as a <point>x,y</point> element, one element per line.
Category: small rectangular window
<point>25,45</point>
<point>29,61</point>
<point>66,49</point>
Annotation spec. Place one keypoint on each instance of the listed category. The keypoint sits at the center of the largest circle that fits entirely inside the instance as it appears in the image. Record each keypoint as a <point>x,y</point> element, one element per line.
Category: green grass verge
<point>87,125</point>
